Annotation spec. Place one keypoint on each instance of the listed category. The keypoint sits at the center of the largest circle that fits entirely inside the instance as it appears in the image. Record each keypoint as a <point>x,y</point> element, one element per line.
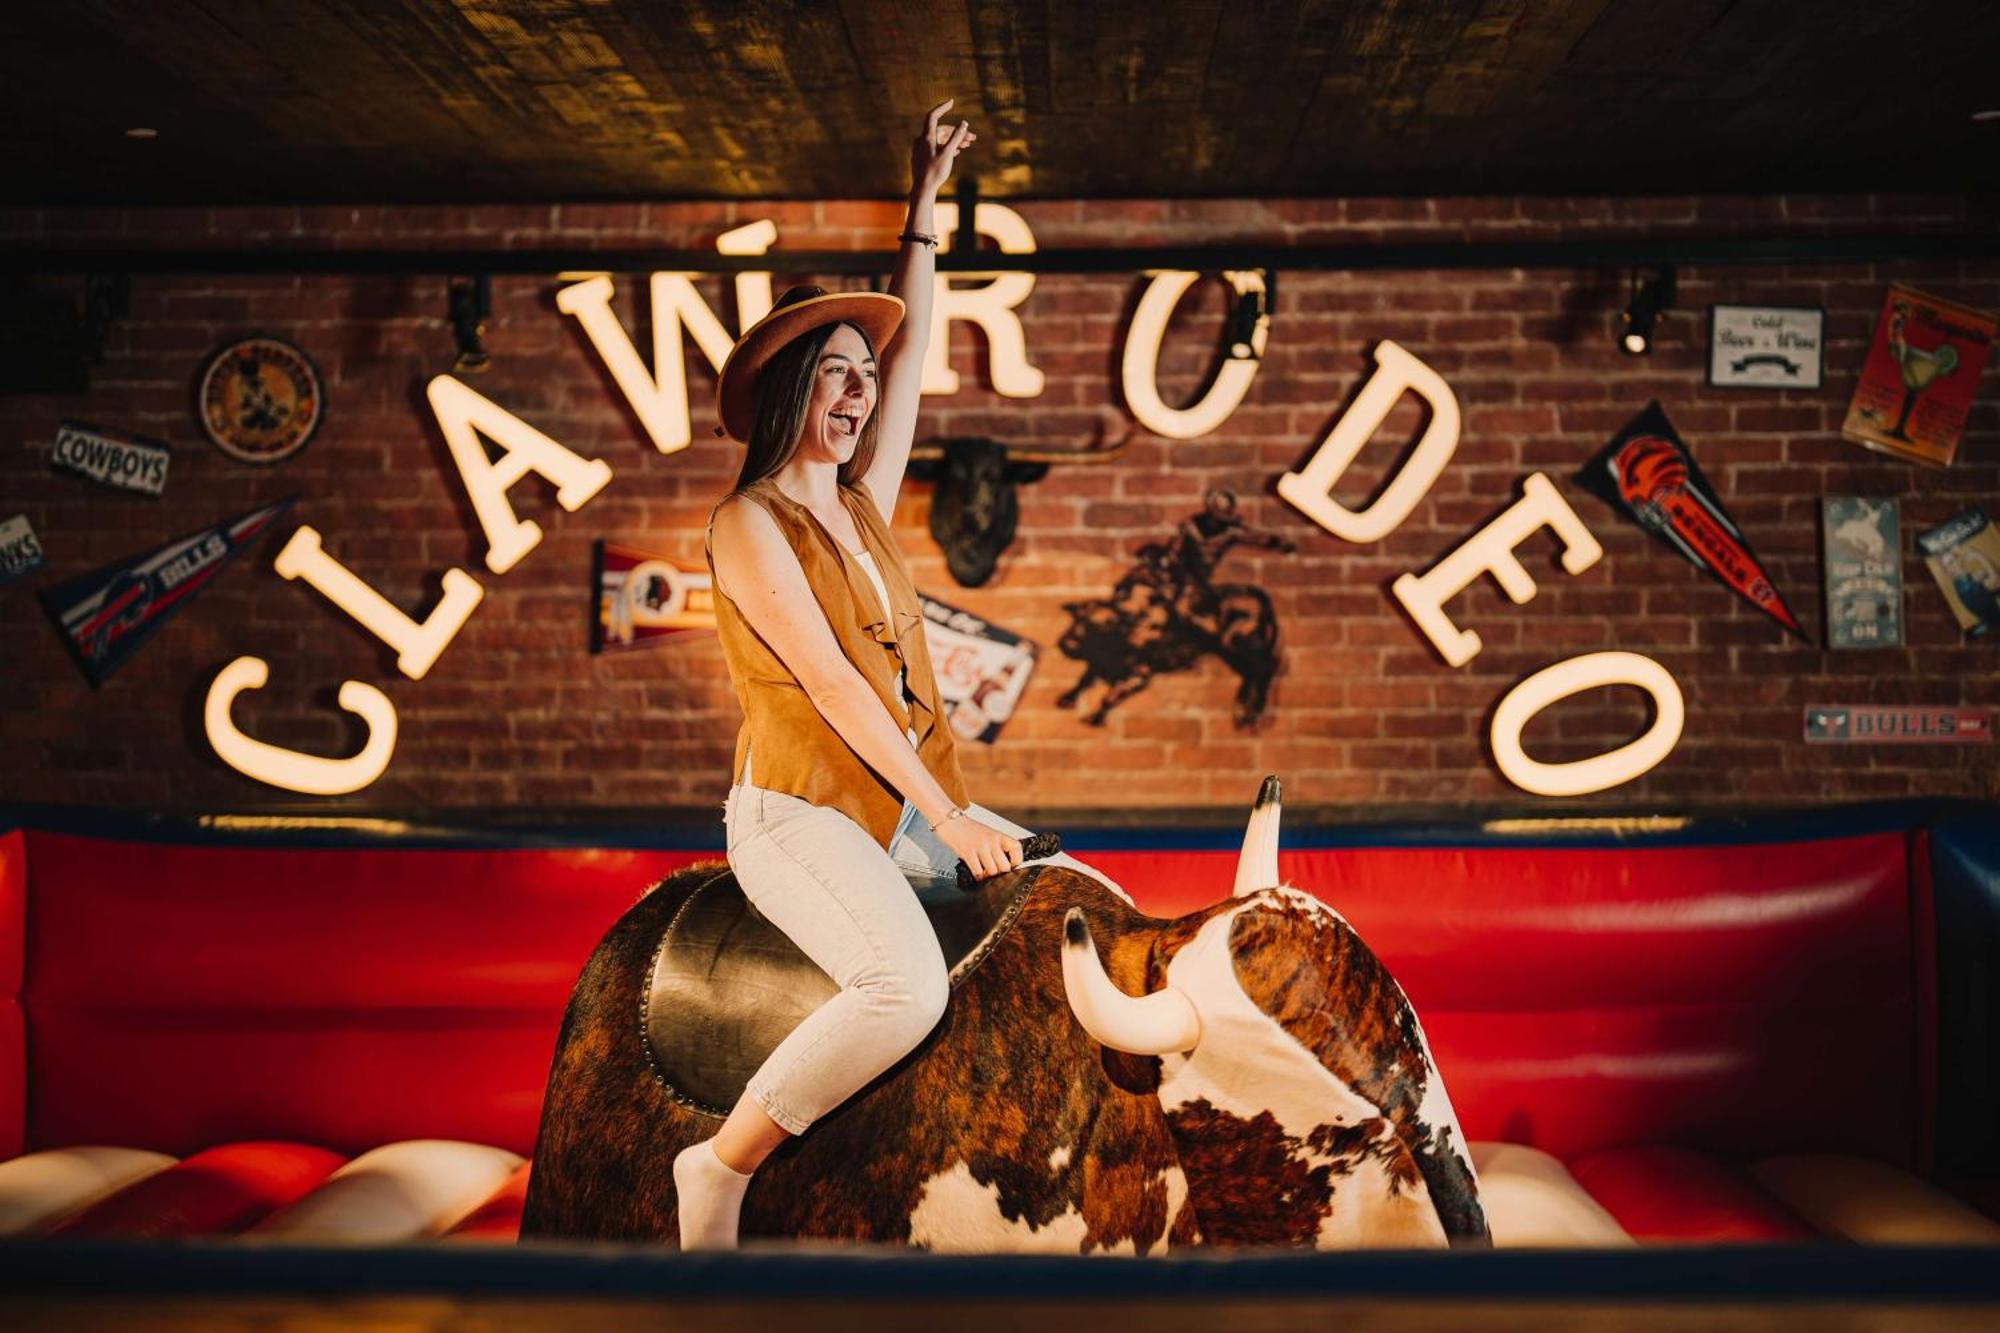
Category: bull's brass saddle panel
<point>727,986</point>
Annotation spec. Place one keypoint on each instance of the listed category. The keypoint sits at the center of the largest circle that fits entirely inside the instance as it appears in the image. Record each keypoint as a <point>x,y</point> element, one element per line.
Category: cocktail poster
<point>1861,553</point>
<point>1964,557</point>
<point>981,669</point>
<point>1920,377</point>
<point>1647,474</point>
<point>644,598</point>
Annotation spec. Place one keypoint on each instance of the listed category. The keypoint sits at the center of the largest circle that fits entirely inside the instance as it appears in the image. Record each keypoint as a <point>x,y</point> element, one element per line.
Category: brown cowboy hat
<point>798,311</point>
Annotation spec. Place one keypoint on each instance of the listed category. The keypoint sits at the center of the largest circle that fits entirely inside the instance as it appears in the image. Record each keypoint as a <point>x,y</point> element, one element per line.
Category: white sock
<point>711,1196</point>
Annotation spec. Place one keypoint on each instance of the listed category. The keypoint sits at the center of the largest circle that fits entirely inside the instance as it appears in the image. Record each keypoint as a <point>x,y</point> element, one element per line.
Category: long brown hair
<point>783,394</point>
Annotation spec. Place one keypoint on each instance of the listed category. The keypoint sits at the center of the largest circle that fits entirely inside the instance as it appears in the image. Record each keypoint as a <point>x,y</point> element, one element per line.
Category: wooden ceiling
<point>381,101</point>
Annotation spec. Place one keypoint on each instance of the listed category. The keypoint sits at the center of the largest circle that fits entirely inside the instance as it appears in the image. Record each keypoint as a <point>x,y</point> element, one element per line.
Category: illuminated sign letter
<point>660,400</point>
<point>991,307</point>
<point>417,645</point>
<point>464,415</point>
<point>1139,374</point>
<point>1560,681</point>
<point>289,769</point>
<point>1308,491</point>
<point>753,287</point>
<point>1491,551</point>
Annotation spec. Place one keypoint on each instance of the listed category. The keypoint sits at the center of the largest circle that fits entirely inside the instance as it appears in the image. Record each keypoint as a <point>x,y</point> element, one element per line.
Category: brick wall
<point>518,715</point>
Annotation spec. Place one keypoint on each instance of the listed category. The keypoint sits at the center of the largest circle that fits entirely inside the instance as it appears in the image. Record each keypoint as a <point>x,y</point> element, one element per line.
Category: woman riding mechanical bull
<point>845,790</point>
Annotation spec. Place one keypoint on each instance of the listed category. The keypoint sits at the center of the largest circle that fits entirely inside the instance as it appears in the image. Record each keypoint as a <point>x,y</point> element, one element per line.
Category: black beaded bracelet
<point>928,240</point>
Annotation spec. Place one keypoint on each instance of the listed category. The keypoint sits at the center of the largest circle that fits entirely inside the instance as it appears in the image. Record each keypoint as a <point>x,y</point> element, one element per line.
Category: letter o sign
<point>1553,684</point>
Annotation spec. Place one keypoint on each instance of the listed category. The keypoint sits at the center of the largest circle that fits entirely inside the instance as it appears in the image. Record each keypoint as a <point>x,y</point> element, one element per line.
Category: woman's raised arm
<point>902,364</point>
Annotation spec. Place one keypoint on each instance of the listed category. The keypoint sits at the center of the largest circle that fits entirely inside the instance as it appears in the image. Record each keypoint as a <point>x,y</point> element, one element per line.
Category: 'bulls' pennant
<point>106,615</point>
<point>1647,474</point>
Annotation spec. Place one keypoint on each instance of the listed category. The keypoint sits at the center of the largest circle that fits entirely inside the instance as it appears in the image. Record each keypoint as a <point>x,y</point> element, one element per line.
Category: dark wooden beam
<point>411,101</point>
<point>1609,251</point>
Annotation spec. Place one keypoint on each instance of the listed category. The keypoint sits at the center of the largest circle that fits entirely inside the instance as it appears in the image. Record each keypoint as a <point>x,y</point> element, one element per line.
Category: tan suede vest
<point>796,751</point>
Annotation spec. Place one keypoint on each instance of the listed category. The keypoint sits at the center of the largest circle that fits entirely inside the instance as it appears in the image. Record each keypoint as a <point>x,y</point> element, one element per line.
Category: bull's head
<point>1283,1047</point>
<point>975,507</point>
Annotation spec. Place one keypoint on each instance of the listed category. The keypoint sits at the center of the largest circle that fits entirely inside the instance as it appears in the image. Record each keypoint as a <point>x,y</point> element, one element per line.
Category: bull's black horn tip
<point>1074,929</point>
<point>1268,794</point>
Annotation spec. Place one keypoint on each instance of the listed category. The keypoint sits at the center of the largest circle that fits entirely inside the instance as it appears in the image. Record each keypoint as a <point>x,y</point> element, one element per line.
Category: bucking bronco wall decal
<point>1102,1081</point>
<point>1166,614</point>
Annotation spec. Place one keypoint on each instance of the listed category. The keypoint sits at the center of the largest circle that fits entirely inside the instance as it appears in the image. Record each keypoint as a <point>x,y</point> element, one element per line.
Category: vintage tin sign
<point>982,669</point>
<point>1963,555</point>
<point>1920,377</point>
<point>260,400</point>
<point>1861,551</point>
<point>1873,724</point>
<point>1765,347</point>
<point>20,553</point>
<point>129,462</point>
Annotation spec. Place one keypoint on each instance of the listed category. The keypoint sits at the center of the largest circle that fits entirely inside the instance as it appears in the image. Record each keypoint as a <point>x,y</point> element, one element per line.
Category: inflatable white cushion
<point>1872,1201</point>
<point>397,1192</point>
<point>42,1188</point>
<point>1530,1198</point>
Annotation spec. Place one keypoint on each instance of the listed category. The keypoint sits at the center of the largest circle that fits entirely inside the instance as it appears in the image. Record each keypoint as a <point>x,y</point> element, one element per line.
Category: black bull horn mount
<point>1085,1092</point>
<point>976,506</point>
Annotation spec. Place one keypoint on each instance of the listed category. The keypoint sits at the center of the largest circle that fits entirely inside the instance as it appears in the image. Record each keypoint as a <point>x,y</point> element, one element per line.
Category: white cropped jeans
<point>819,877</point>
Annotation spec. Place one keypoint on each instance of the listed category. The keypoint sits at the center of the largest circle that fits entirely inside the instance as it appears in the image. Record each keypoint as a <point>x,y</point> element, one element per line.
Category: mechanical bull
<point>1102,1081</point>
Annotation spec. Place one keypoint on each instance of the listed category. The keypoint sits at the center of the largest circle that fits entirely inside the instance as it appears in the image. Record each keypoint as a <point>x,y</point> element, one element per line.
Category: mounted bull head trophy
<point>975,506</point>
<point>1247,1074</point>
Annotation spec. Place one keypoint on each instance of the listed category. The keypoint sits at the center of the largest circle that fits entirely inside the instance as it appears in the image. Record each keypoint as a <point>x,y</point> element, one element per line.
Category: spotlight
<point>1255,297</point>
<point>467,304</point>
<point>1647,302</point>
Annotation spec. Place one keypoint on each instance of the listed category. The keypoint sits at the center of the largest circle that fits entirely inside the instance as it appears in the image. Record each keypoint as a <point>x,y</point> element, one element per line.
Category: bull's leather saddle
<point>727,986</point>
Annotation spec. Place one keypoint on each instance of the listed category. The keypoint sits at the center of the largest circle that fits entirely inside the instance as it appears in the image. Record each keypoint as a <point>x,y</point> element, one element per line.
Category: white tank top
<point>867,561</point>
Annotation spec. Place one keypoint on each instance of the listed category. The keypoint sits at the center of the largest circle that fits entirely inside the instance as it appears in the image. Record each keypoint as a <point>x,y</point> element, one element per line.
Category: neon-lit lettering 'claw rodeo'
<point>716,665</point>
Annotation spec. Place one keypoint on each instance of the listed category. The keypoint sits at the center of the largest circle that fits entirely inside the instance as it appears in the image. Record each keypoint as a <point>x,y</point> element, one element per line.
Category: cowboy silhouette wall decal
<point>1166,613</point>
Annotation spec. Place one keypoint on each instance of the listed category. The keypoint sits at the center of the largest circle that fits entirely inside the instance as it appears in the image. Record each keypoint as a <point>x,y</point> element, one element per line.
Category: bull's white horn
<point>1257,867</point>
<point>1136,1024</point>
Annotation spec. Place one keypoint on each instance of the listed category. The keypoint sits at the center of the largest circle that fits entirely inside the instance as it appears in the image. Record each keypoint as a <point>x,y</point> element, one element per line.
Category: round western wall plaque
<point>260,400</point>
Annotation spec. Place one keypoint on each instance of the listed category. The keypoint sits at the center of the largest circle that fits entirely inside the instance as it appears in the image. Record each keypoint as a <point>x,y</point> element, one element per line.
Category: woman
<point>846,780</point>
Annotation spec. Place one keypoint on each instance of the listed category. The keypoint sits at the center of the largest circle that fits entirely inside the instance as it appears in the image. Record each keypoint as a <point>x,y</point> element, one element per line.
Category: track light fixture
<point>1254,302</point>
<point>1643,309</point>
<point>468,303</point>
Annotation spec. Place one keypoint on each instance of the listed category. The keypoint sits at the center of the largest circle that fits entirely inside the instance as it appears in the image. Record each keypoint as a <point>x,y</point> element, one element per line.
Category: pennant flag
<point>1647,474</point>
<point>643,598</point>
<point>106,615</point>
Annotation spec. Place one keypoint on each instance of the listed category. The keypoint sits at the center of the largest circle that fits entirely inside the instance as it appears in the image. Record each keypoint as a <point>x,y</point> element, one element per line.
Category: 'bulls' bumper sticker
<point>106,615</point>
<point>1647,474</point>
